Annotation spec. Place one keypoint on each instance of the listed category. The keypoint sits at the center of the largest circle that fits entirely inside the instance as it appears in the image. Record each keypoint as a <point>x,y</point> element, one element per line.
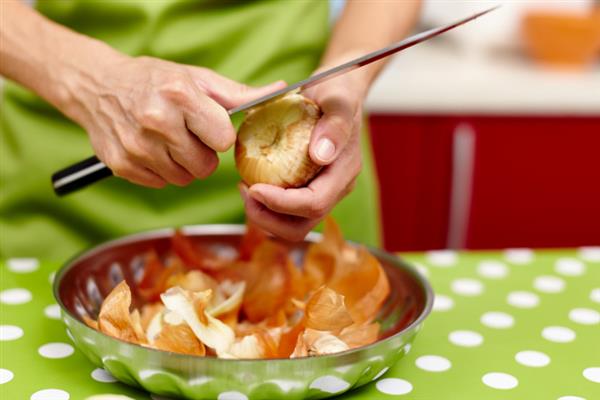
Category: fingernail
<point>325,150</point>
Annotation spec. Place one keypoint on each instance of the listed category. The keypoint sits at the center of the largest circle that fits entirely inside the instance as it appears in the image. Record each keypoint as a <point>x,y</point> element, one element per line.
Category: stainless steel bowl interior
<point>83,283</point>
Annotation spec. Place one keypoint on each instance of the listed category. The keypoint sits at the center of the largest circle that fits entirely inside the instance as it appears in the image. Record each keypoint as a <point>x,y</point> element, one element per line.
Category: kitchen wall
<point>479,144</point>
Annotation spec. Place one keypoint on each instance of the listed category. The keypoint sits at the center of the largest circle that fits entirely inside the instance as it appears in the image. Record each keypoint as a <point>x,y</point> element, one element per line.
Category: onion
<point>272,143</point>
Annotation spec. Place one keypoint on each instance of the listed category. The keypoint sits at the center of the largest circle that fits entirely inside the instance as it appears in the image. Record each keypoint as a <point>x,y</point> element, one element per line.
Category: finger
<point>284,226</point>
<point>170,170</point>
<point>165,122</point>
<point>124,168</point>
<point>202,116</point>
<point>230,93</point>
<point>318,198</point>
<point>162,163</point>
<point>330,136</point>
<point>209,122</point>
<point>341,117</point>
<point>194,156</point>
<point>146,177</point>
<point>148,149</point>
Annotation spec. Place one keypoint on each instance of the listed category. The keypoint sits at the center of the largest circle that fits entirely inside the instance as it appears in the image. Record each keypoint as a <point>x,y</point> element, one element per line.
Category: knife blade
<point>91,169</point>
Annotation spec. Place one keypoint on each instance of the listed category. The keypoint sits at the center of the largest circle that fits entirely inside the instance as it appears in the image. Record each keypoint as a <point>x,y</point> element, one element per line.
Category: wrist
<point>77,75</point>
<point>359,79</point>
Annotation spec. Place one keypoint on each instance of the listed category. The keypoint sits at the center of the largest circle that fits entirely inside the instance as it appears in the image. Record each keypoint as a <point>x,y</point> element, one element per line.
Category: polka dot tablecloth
<point>517,324</point>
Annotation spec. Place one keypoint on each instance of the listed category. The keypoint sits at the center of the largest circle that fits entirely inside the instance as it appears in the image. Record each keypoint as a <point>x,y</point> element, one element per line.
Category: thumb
<point>329,138</point>
<point>229,93</point>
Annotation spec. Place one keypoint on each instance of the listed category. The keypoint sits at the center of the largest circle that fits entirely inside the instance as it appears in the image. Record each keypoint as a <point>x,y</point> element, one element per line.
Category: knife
<point>91,169</point>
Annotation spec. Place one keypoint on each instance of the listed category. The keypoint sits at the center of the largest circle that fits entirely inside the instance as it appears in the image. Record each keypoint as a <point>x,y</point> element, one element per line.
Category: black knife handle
<point>79,175</point>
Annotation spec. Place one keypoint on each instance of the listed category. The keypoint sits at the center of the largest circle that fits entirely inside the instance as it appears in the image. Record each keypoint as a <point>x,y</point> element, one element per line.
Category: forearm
<point>46,57</point>
<point>366,26</point>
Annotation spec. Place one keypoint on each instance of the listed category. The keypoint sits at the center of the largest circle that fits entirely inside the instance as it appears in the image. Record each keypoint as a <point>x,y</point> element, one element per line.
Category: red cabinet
<point>488,182</point>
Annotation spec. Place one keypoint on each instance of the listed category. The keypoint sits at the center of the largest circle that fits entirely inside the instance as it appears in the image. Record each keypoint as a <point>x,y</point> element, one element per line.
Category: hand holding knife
<point>92,169</point>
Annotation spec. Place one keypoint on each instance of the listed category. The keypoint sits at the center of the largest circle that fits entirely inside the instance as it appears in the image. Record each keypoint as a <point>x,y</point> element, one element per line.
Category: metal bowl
<point>81,285</point>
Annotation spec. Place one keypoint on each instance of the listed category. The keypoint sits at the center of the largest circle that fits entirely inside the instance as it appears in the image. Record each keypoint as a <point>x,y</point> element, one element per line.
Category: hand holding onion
<point>290,185</point>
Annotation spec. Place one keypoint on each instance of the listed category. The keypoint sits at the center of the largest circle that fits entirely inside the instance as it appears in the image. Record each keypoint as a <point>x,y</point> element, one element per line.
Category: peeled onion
<point>272,143</point>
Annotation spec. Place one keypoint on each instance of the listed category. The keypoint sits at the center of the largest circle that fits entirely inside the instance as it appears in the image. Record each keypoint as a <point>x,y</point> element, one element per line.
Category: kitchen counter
<point>441,78</point>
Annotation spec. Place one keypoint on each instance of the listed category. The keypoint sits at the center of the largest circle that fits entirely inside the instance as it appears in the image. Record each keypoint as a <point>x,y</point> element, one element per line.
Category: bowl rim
<point>237,229</point>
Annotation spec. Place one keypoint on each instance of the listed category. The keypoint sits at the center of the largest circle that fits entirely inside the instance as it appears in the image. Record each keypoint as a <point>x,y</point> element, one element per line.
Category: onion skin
<point>272,142</point>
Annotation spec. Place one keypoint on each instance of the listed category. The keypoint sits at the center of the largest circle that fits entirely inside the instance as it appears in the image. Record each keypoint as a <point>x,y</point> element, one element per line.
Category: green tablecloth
<point>517,324</point>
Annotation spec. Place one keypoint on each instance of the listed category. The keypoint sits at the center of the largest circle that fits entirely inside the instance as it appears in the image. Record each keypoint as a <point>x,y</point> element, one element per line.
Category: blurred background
<point>489,137</point>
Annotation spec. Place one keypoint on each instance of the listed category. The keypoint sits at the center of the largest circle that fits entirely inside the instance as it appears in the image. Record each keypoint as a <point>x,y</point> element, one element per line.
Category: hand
<point>335,144</point>
<point>155,122</point>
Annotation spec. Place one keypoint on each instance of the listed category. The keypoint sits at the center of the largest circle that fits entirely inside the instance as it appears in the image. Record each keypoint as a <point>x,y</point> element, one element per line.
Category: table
<point>515,324</point>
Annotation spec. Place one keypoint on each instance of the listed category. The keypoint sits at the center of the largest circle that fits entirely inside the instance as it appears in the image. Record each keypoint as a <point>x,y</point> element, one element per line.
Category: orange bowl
<point>562,39</point>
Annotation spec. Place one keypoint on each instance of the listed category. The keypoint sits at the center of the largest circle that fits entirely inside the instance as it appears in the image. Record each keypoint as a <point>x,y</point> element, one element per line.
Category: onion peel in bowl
<point>115,319</point>
<point>209,330</point>
<point>179,339</point>
<point>357,335</point>
<point>326,311</point>
<point>313,343</point>
<point>260,304</point>
<point>267,281</point>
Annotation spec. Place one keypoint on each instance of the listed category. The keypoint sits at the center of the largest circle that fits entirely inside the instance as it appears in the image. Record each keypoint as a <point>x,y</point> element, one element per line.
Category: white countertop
<point>437,78</point>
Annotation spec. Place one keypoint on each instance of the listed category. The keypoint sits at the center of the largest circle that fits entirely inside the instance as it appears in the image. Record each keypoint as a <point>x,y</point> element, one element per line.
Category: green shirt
<point>254,42</point>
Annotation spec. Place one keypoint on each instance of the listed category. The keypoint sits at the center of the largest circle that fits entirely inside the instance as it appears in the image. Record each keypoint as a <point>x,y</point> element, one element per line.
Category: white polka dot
<point>50,394</point>
<point>585,316</point>
<point>10,332</point>
<point>518,256</point>
<point>394,386</point>
<point>15,296</point>
<point>595,295</point>
<point>433,363</point>
<point>442,303</point>
<point>51,277</point>
<point>5,376</point>
<point>441,258</point>
<point>570,398</point>
<point>591,253</point>
<point>492,269</point>
<point>558,334</point>
<point>52,311</point>
<point>523,299</point>
<point>549,284</point>
<point>380,373</point>
<point>467,287</point>
<point>497,319</point>
<point>500,380</point>
<point>422,269</point>
<point>102,375</point>
<point>530,358</point>
<point>232,396</point>
<point>592,374</point>
<point>55,350</point>
<point>465,338</point>
<point>569,266</point>
<point>111,396</point>
<point>329,384</point>
<point>23,265</point>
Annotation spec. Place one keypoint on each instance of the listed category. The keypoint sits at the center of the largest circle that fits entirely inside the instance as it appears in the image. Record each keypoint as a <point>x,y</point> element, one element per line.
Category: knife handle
<point>79,175</point>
